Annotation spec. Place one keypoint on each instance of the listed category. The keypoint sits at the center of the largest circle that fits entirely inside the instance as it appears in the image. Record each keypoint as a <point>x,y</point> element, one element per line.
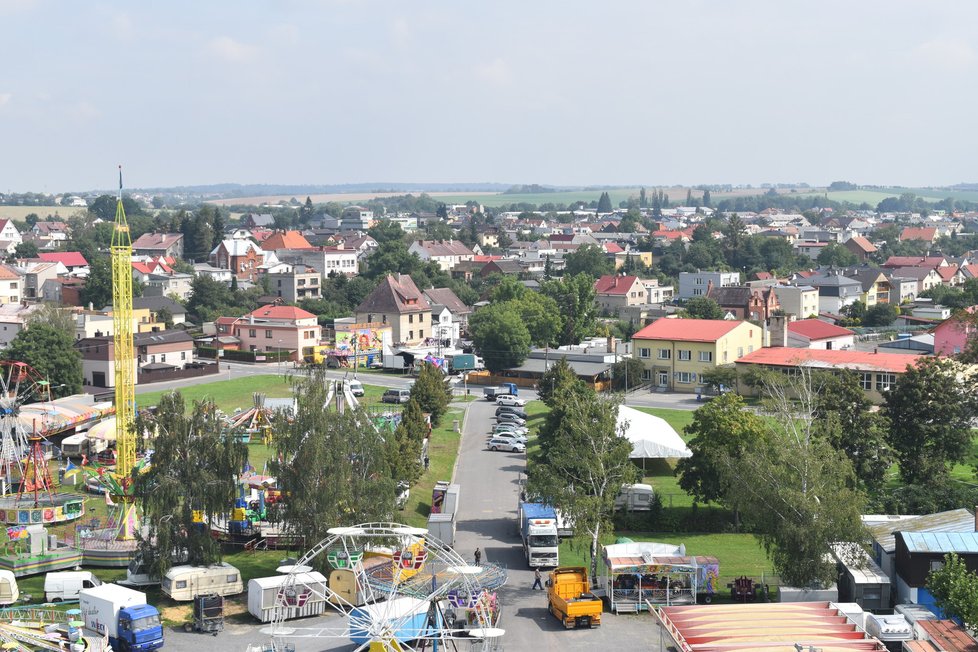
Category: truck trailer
<point>506,388</point>
<point>570,598</point>
<point>538,530</point>
<point>123,615</point>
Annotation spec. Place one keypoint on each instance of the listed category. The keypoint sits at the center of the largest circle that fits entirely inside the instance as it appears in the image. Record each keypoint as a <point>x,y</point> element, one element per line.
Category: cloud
<point>11,6</point>
<point>284,33</point>
<point>122,26</point>
<point>232,51</point>
<point>5,99</point>
<point>496,72</point>
<point>83,111</point>
<point>950,54</point>
<point>400,31</point>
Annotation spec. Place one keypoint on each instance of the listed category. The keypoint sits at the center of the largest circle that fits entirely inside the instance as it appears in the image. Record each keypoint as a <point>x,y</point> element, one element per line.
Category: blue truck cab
<point>139,630</point>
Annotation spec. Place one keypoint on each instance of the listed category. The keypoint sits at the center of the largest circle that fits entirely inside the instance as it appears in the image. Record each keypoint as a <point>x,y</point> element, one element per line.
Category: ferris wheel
<point>395,589</point>
<point>20,383</point>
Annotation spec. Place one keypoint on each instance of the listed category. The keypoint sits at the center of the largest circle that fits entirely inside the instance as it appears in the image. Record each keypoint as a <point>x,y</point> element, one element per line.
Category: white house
<point>817,334</point>
<point>447,253</point>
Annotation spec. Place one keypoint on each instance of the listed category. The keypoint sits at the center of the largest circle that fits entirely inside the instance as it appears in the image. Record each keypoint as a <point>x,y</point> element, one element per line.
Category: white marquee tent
<point>651,436</point>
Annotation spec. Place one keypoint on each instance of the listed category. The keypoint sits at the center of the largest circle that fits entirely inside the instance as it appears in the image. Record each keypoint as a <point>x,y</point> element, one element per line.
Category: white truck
<point>123,616</point>
<point>538,529</point>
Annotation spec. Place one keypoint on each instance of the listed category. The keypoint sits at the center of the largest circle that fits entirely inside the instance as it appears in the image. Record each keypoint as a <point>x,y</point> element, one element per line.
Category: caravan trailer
<point>184,583</point>
<point>9,593</point>
<point>308,597</point>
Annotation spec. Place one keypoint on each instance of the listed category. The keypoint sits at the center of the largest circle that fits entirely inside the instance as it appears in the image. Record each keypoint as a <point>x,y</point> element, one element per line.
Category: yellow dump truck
<point>570,598</point>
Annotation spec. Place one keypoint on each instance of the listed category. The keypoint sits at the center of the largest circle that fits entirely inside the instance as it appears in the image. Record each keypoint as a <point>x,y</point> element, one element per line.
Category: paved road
<point>487,519</point>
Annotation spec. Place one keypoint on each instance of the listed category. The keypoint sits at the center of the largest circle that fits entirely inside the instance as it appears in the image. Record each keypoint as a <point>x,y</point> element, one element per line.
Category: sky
<point>561,92</point>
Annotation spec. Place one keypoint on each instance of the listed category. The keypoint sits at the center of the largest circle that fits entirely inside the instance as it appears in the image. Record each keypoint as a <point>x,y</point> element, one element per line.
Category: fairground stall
<point>635,575</point>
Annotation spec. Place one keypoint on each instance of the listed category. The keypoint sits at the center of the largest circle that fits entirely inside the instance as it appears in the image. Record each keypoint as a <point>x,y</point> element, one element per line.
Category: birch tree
<point>584,465</point>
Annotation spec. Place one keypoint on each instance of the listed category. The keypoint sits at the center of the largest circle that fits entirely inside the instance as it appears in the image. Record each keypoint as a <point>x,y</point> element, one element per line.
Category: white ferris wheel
<point>395,589</point>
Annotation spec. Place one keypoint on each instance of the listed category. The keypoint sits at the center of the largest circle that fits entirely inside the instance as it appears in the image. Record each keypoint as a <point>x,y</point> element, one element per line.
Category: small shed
<point>918,553</point>
<point>883,530</point>
<point>860,579</point>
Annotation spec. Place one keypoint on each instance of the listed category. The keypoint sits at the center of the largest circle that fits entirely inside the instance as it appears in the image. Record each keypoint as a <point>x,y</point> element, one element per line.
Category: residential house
<point>676,352</point>
<point>215,273</point>
<point>13,316</point>
<point>902,289</point>
<point>273,328</point>
<point>877,372</point>
<point>49,232</point>
<point>875,284</point>
<point>294,282</point>
<point>860,247</point>
<point>926,277</point>
<point>167,245</point>
<point>62,290</point>
<point>695,284</point>
<point>458,311</point>
<point>143,269</point>
<point>73,261</point>
<point>9,236</point>
<point>447,253</point>
<point>397,301</point>
<point>11,285</point>
<point>284,240</point>
<point>258,221</point>
<point>925,233</point>
<point>356,218</point>
<point>325,260</point>
<point>801,301</point>
<point>364,245</point>
<point>951,275</point>
<point>633,255</point>
<point>167,348</point>
<point>505,266</point>
<point>489,238</point>
<point>98,361</point>
<point>172,284</point>
<point>35,274</point>
<point>810,248</point>
<point>883,530</point>
<point>742,302</point>
<point>158,305</point>
<point>919,553</point>
<point>242,257</point>
<point>655,293</point>
<point>814,334</point>
<point>835,291</point>
<point>896,262</point>
<point>951,336</point>
<point>612,292</point>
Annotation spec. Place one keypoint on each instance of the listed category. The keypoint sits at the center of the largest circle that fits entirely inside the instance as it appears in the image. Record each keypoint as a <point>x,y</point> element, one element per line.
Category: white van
<point>187,582</point>
<point>66,585</point>
<point>356,387</point>
<point>9,593</point>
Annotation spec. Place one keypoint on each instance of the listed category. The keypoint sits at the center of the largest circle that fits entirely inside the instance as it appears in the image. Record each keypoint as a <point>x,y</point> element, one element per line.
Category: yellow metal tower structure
<point>125,382</point>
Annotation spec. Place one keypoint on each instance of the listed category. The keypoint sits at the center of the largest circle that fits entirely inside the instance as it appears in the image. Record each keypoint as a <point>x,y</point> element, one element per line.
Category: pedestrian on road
<point>427,461</point>
<point>536,579</point>
<point>478,557</point>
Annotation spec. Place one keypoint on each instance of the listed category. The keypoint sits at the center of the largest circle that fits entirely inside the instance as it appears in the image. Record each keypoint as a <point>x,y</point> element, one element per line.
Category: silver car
<point>497,444</point>
<point>509,436</point>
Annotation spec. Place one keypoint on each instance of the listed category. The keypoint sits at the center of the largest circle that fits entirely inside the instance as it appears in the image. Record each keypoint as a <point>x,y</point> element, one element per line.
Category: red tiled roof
<point>66,258</point>
<point>280,312</point>
<point>763,276</point>
<point>687,330</point>
<point>949,636</point>
<point>612,248</point>
<point>669,235</point>
<point>926,233</point>
<point>612,284</point>
<point>816,329</point>
<point>159,241</point>
<point>7,273</point>
<point>914,261</point>
<point>862,244</point>
<point>286,240</point>
<point>947,272</point>
<point>485,258</point>
<point>970,270</point>
<point>831,359</point>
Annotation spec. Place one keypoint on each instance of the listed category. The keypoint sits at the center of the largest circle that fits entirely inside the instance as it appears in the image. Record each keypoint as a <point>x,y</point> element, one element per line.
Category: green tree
<point>541,315</point>
<point>845,413</point>
<point>955,589</point>
<point>706,198</point>
<point>500,336</point>
<point>720,377</point>
<point>332,465</point>
<point>882,314</point>
<point>583,467</point>
<point>26,250</point>
<point>432,392</point>
<point>578,309</point>
<point>626,374</point>
<point>48,346</point>
<point>930,410</point>
<point>588,259</point>
<point>835,255</point>
<point>719,433</point>
<point>405,445</point>
<point>195,465</point>
<point>604,203</point>
<point>702,308</point>
<point>557,380</point>
<point>796,491</point>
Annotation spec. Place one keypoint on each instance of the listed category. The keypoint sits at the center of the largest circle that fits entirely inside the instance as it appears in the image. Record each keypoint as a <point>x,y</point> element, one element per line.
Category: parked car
<point>511,427</point>
<point>396,396</point>
<point>356,388</point>
<point>510,418</point>
<point>509,399</point>
<point>506,445</point>
<point>511,410</point>
<point>511,436</point>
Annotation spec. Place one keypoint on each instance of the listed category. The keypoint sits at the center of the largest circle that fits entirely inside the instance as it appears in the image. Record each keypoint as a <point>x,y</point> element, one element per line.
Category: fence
<point>159,375</point>
<point>245,356</point>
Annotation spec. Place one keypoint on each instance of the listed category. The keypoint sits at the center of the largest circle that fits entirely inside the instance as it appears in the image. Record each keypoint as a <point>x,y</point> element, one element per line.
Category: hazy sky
<point>526,91</point>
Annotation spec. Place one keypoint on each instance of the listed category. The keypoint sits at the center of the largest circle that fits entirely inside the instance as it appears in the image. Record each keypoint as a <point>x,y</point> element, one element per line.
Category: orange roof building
<point>285,240</point>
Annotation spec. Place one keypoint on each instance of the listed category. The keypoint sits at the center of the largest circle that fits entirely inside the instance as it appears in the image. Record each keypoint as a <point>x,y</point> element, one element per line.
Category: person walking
<point>537,576</point>
<point>478,557</point>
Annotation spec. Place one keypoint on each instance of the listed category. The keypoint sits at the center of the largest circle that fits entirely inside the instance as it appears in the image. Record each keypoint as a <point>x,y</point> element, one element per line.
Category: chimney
<point>611,344</point>
<point>779,330</point>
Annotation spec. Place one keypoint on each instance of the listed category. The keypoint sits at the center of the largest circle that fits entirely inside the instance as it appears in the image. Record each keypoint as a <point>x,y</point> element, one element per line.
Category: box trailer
<point>306,597</point>
<point>184,583</point>
<point>123,615</point>
<point>442,527</point>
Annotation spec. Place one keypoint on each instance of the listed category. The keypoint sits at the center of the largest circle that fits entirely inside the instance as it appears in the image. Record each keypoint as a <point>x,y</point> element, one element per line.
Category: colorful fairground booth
<point>634,575</point>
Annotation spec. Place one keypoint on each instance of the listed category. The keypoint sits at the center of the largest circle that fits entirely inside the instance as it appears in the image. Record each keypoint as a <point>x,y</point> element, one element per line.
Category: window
<point>706,356</point>
<point>740,351</point>
<point>884,381</point>
<point>665,354</point>
<point>684,377</point>
<point>866,381</point>
<point>646,374</point>
<point>410,335</point>
<point>181,584</point>
<point>420,318</point>
<point>280,282</point>
<point>750,348</point>
<point>231,579</point>
<point>699,281</point>
<point>252,332</point>
<point>268,335</point>
<point>410,319</point>
<point>183,355</point>
<point>685,354</point>
<point>697,292</point>
<point>645,353</point>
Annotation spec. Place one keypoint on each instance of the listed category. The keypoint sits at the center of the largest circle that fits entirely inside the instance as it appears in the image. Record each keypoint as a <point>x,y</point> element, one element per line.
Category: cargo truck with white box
<point>123,616</point>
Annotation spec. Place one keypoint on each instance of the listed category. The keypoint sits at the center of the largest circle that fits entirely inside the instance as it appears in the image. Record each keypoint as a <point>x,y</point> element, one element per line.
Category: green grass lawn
<point>228,394</point>
<point>442,452</point>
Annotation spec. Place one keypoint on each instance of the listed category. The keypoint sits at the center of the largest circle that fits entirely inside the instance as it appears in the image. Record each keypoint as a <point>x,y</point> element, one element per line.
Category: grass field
<point>19,213</point>
<point>442,452</point>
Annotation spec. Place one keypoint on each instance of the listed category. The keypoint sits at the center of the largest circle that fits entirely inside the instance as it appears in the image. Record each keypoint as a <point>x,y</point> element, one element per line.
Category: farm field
<point>19,213</point>
<point>337,197</point>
